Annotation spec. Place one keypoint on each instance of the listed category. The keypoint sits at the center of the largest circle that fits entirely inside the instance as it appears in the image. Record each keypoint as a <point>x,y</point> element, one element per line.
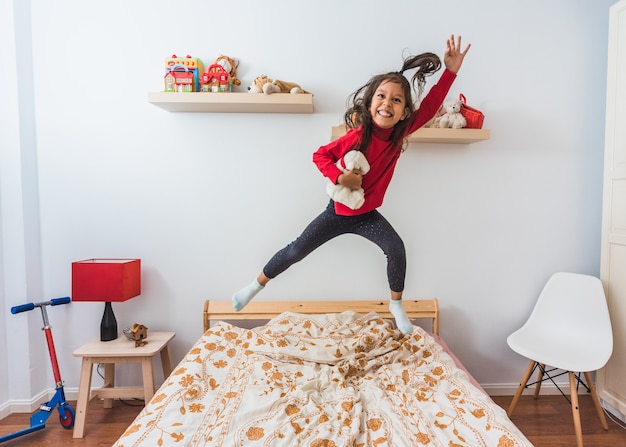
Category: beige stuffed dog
<point>353,199</point>
<point>264,84</point>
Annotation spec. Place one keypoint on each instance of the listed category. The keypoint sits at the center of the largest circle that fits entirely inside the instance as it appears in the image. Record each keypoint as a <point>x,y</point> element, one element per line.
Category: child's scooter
<point>66,413</point>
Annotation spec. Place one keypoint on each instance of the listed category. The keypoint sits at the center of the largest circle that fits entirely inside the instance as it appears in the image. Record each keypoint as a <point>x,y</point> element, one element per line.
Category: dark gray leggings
<point>328,225</point>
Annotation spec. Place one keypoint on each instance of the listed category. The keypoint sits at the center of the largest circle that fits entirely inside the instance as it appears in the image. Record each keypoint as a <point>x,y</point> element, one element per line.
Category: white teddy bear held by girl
<point>353,199</point>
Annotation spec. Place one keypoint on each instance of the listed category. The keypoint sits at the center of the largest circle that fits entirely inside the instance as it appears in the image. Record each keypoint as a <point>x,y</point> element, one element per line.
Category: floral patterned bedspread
<point>319,381</point>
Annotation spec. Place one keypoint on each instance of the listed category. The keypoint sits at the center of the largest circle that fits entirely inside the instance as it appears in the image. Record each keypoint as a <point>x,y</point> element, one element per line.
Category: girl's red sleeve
<point>432,101</point>
<point>326,156</point>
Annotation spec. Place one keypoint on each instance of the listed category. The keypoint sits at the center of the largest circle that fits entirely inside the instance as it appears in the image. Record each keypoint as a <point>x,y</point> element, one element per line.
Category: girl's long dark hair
<point>358,112</point>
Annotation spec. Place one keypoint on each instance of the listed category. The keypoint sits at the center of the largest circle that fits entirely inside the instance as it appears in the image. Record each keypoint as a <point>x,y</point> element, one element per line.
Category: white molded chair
<point>569,329</point>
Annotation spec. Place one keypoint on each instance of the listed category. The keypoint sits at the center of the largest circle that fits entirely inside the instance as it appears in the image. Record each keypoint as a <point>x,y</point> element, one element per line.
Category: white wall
<point>8,139</point>
<point>205,199</point>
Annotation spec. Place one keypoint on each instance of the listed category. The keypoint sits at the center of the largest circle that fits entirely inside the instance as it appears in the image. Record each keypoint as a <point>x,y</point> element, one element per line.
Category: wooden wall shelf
<point>434,135</point>
<point>233,102</point>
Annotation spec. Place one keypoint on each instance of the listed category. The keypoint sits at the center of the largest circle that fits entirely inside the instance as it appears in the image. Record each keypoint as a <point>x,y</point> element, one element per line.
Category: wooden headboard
<point>265,310</point>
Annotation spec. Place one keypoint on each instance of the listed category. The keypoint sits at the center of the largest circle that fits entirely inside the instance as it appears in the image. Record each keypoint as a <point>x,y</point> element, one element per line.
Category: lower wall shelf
<point>235,102</point>
<point>434,135</point>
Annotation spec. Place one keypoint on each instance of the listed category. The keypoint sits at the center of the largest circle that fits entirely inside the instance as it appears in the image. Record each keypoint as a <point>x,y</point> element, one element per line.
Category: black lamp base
<point>108,326</point>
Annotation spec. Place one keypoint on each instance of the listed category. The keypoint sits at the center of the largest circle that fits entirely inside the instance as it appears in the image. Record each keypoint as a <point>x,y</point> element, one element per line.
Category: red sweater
<point>381,156</point>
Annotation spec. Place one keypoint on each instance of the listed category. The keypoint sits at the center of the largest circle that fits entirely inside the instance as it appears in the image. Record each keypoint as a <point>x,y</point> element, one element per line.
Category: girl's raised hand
<point>453,57</point>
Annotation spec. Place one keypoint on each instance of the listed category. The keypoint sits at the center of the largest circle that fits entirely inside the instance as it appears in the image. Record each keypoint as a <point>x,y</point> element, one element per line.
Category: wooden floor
<point>102,428</point>
<point>547,422</point>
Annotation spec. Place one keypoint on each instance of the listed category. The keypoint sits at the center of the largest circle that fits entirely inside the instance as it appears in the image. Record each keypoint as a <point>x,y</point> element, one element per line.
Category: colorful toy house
<point>179,79</point>
<point>215,79</point>
<point>192,65</point>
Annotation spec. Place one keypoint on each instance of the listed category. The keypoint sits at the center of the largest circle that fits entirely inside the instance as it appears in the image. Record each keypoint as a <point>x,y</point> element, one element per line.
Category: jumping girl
<point>381,116</point>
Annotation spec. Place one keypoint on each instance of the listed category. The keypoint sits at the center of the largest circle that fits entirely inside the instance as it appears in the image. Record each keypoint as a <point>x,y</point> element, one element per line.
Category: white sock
<point>402,320</point>
<point>243,297</point>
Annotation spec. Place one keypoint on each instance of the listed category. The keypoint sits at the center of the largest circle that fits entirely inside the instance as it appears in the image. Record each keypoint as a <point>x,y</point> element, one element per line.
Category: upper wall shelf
<point>233,102</point>
<point>434,135</point>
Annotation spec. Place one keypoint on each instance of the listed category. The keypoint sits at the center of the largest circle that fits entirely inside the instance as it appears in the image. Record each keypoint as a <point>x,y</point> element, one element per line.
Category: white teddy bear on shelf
<point>353,199</point>
<point>453,117</point>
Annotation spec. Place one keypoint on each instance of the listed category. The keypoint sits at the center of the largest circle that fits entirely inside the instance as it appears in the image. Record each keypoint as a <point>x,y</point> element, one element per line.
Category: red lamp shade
<point>106,280</point>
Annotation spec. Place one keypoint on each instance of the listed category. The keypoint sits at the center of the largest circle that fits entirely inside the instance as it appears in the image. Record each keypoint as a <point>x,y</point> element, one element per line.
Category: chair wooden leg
<point>575,410</point>
<point>520,388</point>
<point>539,379</point>
<point>596,401</point>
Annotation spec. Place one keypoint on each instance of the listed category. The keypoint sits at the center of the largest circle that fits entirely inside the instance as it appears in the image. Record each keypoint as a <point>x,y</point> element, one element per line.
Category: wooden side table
<point>120,350</point>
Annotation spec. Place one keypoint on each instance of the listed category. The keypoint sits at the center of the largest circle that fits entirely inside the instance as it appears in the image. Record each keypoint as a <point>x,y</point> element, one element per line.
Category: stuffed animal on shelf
<point>353,199</point>
<point>264,84</point>
<point>230,66</point>
<point>453,117</point>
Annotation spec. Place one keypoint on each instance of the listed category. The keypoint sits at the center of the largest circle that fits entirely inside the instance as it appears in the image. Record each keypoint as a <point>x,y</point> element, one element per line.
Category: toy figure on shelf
<point>179,79</point>
<point>182,74</point>
<point>215,79</point>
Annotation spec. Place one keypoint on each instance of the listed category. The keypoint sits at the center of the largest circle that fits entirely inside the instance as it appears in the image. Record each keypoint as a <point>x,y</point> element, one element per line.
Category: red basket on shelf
<point>474,117</point>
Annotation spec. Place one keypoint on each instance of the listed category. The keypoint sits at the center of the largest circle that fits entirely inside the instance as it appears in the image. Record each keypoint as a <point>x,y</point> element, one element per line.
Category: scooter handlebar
<point>22,308</point>
<point>30,306</point>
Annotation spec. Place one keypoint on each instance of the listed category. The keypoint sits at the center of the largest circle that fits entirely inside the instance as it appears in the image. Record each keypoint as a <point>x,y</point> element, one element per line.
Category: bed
<point>320,374</point>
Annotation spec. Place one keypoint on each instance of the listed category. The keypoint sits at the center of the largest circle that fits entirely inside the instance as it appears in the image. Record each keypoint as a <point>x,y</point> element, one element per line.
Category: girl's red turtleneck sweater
<point>381,156</point>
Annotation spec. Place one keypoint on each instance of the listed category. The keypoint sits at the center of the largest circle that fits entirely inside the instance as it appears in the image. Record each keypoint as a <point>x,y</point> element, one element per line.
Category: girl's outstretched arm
<point>453,57</point>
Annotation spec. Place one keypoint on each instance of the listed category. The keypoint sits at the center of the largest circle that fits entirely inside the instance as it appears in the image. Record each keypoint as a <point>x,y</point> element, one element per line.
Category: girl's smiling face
<point>388,105</point>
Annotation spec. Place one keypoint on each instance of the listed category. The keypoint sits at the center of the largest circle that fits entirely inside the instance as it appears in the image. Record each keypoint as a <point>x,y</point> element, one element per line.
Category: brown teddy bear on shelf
<point>230,66</point>
<point>264,84</point>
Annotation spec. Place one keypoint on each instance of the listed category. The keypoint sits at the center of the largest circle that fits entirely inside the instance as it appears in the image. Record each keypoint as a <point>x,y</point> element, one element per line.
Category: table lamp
<point>107,280</point>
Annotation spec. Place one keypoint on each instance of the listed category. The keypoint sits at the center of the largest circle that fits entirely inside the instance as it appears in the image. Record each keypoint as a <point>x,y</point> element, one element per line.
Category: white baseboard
<point>615,412</point>
<point>32,405</point>
<point>24,405</point>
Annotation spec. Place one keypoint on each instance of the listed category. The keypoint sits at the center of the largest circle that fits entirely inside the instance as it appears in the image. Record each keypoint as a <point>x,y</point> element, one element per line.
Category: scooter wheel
<point>66,416</point>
